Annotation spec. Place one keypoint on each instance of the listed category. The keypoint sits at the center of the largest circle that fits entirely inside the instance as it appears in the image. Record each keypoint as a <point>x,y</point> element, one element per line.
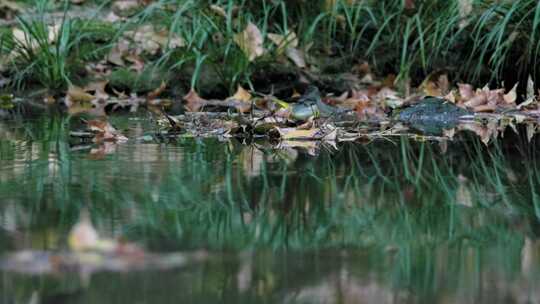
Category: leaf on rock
<point>250,41</point>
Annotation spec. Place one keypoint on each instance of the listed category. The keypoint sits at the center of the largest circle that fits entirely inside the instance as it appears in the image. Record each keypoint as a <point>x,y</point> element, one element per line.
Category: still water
<point>388,221</point>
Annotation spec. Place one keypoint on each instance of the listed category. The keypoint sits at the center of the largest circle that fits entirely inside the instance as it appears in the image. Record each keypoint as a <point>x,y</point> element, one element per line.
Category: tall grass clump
<point>51,53</point>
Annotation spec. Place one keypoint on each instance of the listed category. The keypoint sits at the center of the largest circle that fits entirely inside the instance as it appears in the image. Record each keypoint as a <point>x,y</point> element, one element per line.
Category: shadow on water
<point>383,222</point>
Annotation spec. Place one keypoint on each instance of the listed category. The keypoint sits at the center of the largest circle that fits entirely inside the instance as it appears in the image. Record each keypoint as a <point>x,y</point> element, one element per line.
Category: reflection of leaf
<point>105,131</point>
<point>463,194</point>
<point>83,236</point>
<point>250,41</point>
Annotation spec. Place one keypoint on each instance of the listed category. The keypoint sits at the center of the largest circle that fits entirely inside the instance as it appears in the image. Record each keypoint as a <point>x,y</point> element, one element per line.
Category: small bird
<point>311,105</point>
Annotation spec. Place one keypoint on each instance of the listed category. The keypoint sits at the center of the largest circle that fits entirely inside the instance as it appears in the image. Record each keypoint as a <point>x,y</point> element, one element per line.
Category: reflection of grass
<point>396,203</point>
<point>202,195</point>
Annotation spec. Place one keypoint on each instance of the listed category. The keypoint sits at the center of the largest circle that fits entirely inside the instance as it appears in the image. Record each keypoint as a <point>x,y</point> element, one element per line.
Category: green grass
<point>497,41</point>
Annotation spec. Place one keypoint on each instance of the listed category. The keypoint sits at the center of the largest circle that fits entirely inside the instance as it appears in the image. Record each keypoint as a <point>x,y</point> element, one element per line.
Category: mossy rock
<point>432,115</point>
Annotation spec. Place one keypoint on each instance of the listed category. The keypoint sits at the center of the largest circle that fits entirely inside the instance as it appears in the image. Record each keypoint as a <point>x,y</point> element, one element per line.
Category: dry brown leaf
<point>151,41</point>
<point>466,92</point>
<point>296,56</point>
<point>193,101</point>
<point>137,63</point>
<point>155,93</point>
<point>479,99</point>
<point>242,100</point>
<point>250,41</point>
<point>117,53</point>
<point>511,96</point>
<point>294,133</point>
<point>436,87</point>
<point>284,41</point>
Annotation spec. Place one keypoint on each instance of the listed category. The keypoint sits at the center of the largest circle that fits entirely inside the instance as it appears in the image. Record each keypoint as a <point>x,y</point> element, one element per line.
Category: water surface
<point>391,221</point>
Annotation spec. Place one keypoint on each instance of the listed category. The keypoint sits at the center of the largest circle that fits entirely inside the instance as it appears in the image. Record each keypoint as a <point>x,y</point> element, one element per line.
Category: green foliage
<point>489,42</point>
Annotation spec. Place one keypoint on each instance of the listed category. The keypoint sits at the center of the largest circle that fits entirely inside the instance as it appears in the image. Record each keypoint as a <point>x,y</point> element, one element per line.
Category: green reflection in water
<point>383,222</point>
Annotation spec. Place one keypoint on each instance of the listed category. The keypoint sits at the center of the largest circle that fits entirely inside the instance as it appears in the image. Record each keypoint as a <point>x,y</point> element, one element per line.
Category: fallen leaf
<point>193,101</point>
<point>117,53</point>
<point>284,41</point>
<point>296,56</point>
<point>77,94</point>
<point>299,134</point>
<point>250,41</point>
<point>466,92</point>
<point>155,93</point>
<point>511,96</point>
<point>242,100</point>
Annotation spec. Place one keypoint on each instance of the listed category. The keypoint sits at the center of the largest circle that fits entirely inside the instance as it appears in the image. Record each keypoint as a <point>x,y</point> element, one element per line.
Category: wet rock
<point>432,115</point>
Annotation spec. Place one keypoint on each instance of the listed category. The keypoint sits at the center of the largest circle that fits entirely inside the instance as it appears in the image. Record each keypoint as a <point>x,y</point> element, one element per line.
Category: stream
<point>385,221</point>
